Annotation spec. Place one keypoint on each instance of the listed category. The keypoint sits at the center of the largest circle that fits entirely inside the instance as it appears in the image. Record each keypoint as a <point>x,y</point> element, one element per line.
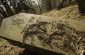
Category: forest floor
<point>70,12</point>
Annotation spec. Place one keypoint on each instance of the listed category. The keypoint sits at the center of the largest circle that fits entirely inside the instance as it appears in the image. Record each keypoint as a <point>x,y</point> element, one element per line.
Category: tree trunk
<point>3,12</point>
<point>10,13</point>
<point>81,5</point>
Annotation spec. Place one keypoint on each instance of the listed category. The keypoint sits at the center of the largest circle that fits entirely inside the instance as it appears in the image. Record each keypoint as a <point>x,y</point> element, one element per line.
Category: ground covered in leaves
<point>7,49</point>
<point>70,12</point>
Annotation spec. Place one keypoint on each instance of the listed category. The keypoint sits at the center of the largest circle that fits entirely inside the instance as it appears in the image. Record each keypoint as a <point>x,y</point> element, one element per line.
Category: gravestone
<point>14,28</point>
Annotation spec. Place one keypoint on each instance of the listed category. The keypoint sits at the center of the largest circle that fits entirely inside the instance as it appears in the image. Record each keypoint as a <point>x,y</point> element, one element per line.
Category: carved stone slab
<point>12,28</point>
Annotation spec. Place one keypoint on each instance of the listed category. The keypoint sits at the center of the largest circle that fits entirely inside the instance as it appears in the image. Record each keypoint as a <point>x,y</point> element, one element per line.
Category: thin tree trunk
<point>10,13</point>
<point>81,5</point>
<point>3,12</point>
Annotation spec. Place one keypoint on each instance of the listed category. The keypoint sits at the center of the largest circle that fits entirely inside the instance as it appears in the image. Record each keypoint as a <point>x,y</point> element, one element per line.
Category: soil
<point>70,12</point>
<point>7,49</point>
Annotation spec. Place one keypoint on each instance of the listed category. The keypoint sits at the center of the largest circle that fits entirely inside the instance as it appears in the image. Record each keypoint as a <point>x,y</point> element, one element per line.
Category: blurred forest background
<point>12,7</point>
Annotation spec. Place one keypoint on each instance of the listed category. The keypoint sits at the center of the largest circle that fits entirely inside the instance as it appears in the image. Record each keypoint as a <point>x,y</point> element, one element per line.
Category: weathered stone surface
<point>12,27</point>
